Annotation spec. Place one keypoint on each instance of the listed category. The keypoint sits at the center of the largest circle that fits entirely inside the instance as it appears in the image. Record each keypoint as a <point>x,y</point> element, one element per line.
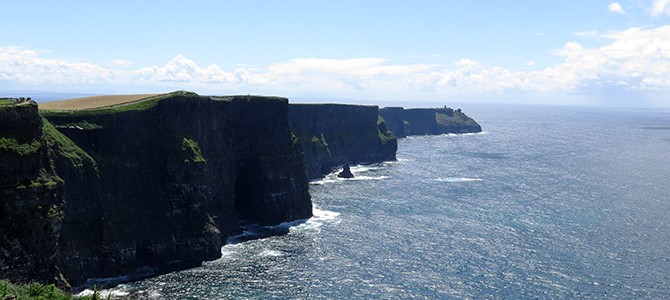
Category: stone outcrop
<point>427,121</point>
<point>144,188</point>
<point>346,172</point>
<point>334,134</point>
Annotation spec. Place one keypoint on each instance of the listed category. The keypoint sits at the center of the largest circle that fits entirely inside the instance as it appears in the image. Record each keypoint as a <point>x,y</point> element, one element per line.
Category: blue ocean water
<point>547,203</point>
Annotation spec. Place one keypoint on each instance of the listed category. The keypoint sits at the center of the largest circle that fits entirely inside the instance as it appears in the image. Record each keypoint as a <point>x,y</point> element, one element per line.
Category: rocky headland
<point>156,185</point>
<point>427,121</point>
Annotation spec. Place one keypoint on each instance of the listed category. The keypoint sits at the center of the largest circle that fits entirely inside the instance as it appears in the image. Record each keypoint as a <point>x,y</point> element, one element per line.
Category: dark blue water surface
<point>548,202</point>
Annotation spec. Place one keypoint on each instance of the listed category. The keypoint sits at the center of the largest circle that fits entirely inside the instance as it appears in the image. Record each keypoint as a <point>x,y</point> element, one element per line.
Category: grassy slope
<point>142,104</point>
<point>32,291</point>
<point>386,135</point>
<point>64,147</point>
<point>94,102</point>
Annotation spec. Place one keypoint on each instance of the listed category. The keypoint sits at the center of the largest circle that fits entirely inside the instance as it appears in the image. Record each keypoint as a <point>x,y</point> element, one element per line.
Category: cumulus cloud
<point>615,8</point>
<point>632,62</point>
<point>26,66</point>
<point>661,7</point>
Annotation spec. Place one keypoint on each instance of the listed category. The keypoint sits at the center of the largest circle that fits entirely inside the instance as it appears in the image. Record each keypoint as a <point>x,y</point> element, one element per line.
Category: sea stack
<point>346,172</point>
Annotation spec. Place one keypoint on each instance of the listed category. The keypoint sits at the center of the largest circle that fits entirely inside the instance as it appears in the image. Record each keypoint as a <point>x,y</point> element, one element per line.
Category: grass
<point>45,179</point>
<point>385,135</point>
<point>138,105</point>
<point>37,291</point>
<point>64,146</point>
<point>94,102</point>
<point>6,101</point>
<point>12,145</point>
<point>193,149</point>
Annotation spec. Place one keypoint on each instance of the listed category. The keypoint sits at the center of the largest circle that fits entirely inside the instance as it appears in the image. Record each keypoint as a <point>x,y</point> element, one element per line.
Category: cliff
<point>160,183</point>
<point>143,188</point>
<point>334,134</point>
<point>423,121</point>
<point>31,196</point>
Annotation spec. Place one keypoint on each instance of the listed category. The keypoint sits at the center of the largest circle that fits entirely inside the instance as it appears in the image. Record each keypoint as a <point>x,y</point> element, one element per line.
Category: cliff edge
<point>334,134</point>
<point>132,186</point>
<point>141,188</point>
<point>427,121</point>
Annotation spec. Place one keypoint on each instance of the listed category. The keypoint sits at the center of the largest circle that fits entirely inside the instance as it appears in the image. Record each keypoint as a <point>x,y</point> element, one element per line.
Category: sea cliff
<point>424,121</point>
<point>144,188</point>
<point>334,134</point>
<point>147,187</point>
<point>31,196</point>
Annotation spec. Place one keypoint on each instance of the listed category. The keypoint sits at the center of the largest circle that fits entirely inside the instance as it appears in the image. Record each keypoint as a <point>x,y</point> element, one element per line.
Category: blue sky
<point>547,52</point>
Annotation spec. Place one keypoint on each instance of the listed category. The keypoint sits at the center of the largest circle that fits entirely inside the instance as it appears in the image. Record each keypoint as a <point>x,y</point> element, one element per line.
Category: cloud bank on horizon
<point>610,68</point>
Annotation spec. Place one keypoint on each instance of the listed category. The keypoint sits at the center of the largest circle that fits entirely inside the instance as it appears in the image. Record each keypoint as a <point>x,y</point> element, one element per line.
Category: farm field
<point>94,102</point>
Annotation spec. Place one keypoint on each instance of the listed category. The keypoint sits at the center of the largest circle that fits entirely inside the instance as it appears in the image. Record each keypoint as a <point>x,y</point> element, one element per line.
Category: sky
<point>539,52</point>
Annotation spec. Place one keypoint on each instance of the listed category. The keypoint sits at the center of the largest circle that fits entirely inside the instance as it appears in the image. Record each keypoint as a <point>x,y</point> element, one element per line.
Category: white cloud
<point>661,7</point>
<point>616,8</point>
<point>632,62</point>
<point>26,66</point>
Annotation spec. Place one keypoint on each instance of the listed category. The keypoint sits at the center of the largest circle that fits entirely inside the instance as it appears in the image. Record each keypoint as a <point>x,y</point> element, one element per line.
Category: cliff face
<point>423,121</point>
<point>334,134</point>
<point>159,186</point>
<point>30,196</point>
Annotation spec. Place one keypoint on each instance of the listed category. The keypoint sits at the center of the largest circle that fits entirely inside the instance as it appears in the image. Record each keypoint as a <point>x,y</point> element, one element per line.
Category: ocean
<point>547,203</point>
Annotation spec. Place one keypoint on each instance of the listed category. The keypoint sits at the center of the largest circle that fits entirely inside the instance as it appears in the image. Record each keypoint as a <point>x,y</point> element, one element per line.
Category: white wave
<point>463,134</point>
<point>457,179</point>
<point>365,178</point>
<point>330,178</point>
<point>255,231</point>
<point>365,168</point>
<point>357,171</point>
<point>325,180</point>
<point>324,214</point>
<point>318,219</point>
<point>118,292</point>
<point>271,253</point>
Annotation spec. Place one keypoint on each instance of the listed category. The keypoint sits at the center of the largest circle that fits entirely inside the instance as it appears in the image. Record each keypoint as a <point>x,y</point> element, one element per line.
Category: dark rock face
<point>333,134</point>
<point>30,197</point>
<point>423,121</point>
<point>160,186</point>
<point>152,190</point>
<point>346,172</point>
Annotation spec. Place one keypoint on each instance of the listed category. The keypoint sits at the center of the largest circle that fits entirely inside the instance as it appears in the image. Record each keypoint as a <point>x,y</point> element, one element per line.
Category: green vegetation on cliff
<point>59,144</point>
<point>385,135</point>
<point>193,149</point>
<point>14,146</point>
<point>144,104</point>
